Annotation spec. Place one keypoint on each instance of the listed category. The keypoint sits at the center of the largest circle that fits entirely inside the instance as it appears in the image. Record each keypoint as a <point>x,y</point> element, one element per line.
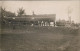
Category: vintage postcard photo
<point>40,25</point>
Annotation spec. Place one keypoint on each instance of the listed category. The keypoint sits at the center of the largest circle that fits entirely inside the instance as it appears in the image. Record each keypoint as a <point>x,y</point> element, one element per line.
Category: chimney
<point>33,13</point>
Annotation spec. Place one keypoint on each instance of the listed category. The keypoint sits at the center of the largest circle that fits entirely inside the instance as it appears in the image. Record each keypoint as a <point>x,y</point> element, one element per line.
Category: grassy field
<point>40,38</point>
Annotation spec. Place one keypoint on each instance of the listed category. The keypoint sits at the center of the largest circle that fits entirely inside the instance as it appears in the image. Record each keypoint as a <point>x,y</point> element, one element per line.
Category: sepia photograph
<point>40,25</point>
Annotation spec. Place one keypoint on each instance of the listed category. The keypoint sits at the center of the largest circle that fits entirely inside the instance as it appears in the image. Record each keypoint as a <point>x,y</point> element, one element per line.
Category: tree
<point>21,12</point>
<point>6,13</point>
<point>2,11</point>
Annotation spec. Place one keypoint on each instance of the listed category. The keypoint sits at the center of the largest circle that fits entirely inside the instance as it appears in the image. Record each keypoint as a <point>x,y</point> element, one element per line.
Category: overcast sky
<point>60,8</point>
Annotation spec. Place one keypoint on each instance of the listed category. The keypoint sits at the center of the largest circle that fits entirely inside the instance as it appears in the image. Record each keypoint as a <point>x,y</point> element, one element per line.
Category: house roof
<point>49,17</point>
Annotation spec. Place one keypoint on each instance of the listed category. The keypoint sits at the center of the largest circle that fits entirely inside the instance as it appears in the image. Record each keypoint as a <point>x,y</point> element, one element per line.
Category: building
<point>32,20</point>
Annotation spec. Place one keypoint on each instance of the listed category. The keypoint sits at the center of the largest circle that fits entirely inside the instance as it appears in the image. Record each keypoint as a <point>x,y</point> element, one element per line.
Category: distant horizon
<point>60,8</point>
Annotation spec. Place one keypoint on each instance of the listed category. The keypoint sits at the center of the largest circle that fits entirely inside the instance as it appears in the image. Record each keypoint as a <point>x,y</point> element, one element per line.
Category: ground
<point>40,38</point>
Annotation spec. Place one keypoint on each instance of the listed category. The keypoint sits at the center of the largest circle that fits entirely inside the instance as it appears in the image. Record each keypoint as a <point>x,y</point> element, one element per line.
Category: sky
<point>60,8</point>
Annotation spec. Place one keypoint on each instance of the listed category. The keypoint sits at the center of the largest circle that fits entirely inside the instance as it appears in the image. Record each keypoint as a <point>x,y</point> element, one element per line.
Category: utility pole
<point>69,14</point>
